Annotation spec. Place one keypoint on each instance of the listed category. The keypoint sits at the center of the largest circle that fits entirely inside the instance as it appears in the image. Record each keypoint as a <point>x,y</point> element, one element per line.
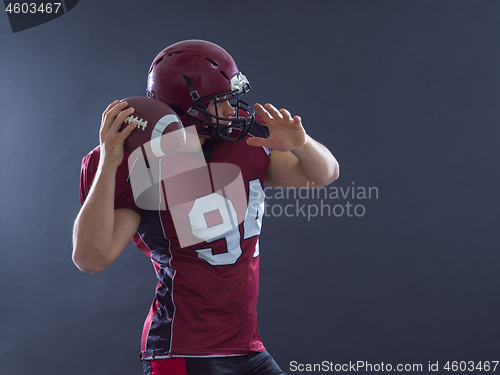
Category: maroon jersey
<point>206,298</point>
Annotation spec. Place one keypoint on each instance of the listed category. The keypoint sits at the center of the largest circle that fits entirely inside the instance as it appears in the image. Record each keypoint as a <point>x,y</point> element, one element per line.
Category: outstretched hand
<point>285,132</point>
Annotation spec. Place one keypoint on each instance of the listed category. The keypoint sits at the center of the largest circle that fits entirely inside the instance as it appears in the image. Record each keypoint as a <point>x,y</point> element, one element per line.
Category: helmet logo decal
<point>240,83</point>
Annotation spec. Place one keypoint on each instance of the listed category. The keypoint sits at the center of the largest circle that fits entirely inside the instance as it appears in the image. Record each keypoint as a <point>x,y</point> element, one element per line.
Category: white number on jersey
<point>228,228</point>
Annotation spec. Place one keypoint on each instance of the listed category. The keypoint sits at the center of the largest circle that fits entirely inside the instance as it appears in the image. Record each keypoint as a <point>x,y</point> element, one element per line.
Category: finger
<point>257,142</point>
<point>120,107</point>
<point>110,108</point>
<point>286,115</point>
<point>111,112</point>
<point>122,116</point>
<point>273,111</point>
<point>262,112</point>
<point>129,129</point>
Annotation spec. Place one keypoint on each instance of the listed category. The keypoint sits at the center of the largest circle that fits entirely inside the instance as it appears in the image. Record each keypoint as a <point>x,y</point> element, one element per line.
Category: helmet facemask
<point>223,128</point>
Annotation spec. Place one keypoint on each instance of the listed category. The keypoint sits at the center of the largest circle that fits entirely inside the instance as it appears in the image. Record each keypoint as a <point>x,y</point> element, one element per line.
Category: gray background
<point>404,93</point>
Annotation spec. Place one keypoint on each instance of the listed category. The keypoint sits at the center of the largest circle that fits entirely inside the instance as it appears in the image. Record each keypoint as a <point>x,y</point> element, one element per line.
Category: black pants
<point>249,364</point>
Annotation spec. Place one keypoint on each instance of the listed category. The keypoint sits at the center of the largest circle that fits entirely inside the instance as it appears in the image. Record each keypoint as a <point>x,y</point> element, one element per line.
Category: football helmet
<point>188,75</point>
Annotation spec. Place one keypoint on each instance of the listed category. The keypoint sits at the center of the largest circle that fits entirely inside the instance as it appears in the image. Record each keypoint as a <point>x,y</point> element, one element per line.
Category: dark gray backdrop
<point>404,93</point>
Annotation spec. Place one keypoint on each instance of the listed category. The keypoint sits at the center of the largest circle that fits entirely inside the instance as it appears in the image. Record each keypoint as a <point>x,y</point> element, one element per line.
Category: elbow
<point>84,264</point>
<point>86,256</point>
<point>87,268</point>
<point>329,177</point>
<point>336,172</point>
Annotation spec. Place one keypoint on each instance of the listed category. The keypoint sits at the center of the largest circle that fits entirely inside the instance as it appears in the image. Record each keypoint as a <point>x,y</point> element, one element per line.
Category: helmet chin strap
<point>215,133</point>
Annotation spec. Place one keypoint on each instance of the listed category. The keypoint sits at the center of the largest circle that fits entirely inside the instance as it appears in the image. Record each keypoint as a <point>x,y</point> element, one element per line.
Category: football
<point>159,131</point>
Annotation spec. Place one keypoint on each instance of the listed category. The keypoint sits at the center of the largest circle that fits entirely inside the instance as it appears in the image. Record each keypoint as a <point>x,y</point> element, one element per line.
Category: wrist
<point>108,165</point>
<point>109,159</point>
<point>302,147</point>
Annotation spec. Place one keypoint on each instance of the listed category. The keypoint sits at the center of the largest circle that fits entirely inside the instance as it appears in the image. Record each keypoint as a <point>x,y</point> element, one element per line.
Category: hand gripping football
<point>159,131</point>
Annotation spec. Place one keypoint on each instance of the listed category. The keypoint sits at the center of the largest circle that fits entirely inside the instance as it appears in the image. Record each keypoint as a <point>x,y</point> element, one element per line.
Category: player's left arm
<point>297,160</point>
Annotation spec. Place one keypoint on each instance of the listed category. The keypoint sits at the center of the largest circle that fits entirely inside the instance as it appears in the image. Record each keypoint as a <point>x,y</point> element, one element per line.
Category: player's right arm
<point>101,232</point>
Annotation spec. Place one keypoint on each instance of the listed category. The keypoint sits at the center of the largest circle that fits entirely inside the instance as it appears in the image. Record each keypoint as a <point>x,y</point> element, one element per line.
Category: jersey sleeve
<point>124,198</point>
<point>259,129</point>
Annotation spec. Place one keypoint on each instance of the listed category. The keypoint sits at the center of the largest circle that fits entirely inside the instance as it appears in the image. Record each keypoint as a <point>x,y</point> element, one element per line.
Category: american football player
<point>203,318</point>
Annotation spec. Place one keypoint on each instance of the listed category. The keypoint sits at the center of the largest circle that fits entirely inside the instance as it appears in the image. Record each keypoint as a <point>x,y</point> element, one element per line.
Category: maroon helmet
<point>188,75</point>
